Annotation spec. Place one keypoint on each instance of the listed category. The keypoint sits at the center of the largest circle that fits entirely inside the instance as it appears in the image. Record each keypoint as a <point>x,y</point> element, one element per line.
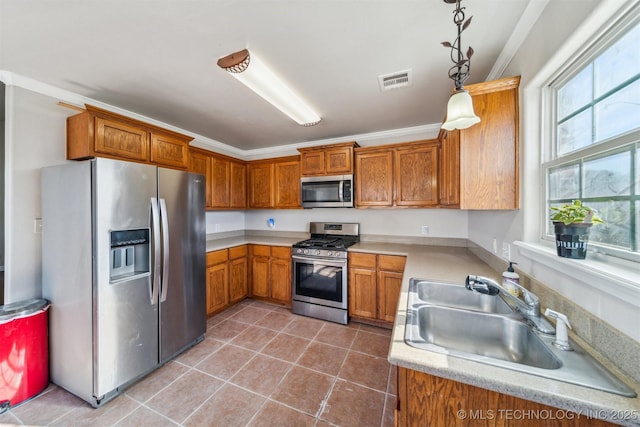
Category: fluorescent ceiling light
<point>257,77</point>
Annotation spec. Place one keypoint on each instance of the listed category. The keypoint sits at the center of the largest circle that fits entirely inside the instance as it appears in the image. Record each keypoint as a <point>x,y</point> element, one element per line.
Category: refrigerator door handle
<point>155,230</point>
<point>165,249</point>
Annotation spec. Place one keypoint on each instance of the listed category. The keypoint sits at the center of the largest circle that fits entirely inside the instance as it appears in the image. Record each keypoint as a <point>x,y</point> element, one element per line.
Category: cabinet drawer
<point>238,252</point>
<point>260,250</point>
<point>280,252</point>
<point>216,257</point>
<point>391,263</point>
<point>357,259</point>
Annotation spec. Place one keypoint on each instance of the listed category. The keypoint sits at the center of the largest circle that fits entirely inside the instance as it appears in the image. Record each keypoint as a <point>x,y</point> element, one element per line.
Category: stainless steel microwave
<point>327,191</point>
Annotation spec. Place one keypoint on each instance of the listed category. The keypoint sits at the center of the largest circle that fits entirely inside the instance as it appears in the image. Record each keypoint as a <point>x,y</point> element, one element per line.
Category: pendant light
<point>460,114</point>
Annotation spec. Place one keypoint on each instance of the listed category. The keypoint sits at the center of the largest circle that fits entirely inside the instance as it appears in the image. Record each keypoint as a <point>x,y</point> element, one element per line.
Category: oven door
<point>320,281</point>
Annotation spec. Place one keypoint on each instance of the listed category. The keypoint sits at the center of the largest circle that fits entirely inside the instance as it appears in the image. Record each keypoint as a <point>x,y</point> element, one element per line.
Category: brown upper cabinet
<point>400,175</point>
<point>226,179</point>
<point>274,183</point>
<point>479,165</point>
<point>200,162</point>
<point>335,159</point>
<point>101,133</point>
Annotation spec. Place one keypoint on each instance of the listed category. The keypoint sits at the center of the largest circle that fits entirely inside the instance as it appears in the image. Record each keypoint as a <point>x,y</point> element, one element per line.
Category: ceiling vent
<point>395,80</point>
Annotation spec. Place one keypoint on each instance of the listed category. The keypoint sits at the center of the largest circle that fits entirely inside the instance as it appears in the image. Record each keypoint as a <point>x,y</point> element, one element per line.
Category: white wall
<point>556,23</point>
<point>222,221</point>
<point>398,222</point>
<point>35,137</point>
<point>561,30</point>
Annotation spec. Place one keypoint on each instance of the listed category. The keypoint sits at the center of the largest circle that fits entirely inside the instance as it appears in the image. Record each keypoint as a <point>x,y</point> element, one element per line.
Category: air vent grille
<point>395,80</point>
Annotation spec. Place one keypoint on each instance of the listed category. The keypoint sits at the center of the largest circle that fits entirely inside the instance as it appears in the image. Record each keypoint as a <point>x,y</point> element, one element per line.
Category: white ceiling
<point>158,59</point>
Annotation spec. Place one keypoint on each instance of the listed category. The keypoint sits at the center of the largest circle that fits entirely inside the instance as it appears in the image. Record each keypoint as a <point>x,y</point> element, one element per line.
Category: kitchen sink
<point>482,334</point>
<point>455,295</point>
<point>441,318</point>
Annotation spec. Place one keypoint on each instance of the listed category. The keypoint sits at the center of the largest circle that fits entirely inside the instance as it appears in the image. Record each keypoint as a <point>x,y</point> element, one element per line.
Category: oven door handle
<point>329,262</point>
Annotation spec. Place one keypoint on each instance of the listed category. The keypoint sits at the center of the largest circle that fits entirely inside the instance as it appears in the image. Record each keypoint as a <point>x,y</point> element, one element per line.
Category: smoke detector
<point>395,80</point>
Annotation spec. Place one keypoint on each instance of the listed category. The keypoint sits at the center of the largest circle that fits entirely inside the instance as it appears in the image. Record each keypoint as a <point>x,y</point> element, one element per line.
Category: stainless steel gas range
<point>320,275</point>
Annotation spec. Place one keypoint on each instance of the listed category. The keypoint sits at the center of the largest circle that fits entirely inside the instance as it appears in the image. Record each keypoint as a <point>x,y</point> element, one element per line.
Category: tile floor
<point>259,365</point>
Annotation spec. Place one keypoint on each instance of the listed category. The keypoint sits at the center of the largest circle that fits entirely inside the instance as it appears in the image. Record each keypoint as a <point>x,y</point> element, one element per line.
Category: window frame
<point>549,158</point>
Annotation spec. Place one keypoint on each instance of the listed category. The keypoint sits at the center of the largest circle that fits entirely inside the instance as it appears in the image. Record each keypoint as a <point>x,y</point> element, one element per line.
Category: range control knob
<point>306,252</point>
<point>317,252</point>
<point>329,253</point>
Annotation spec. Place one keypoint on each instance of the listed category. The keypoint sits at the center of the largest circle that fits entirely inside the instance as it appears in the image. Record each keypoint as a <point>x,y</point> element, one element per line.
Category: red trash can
<point>24,350</point>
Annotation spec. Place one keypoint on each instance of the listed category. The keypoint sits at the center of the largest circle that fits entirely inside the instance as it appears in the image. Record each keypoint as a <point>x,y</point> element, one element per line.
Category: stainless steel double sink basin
<point>447,318</point>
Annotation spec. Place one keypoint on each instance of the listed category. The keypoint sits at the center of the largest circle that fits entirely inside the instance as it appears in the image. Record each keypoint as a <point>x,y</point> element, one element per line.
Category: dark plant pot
<point>571,240</point>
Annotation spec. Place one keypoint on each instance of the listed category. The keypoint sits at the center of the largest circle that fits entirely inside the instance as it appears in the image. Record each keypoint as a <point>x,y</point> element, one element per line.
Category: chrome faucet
<point>529,308</point>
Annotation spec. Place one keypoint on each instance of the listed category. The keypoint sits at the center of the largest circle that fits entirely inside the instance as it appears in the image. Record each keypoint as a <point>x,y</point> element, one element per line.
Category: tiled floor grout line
<point>335,380</point>
<point>243,325</point>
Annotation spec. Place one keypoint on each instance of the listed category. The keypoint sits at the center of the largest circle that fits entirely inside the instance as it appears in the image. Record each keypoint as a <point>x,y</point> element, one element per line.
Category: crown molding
<point>364,139</point>
<point>520,32</point>
<point>74,99</point>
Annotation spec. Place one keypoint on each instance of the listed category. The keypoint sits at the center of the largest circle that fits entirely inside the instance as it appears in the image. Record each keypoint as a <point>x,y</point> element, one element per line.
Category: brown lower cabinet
<point>374,285</point>
<point>271,273</point>
<point>429,400</point>
<point>226,278</point>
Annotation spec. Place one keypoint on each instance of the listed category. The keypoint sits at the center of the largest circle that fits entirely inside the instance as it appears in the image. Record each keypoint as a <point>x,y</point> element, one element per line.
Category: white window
<point>595,143</point>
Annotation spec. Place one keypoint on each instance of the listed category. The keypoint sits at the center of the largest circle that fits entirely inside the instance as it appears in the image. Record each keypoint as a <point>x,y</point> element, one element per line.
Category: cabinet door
<point>449,183</point>
<point>338,160</point>
<point>312,163</point>
<point>122,140</point>
<point>281,280</point>
<point>389,284</point>
<point>238,185</point>
<point>287,184</point>
<point>260,276</point>
<point>374,178</point>
<point>201,163</point>
<point>362,293</point>
<point>168,150</point>
<point>260,185</point>
<point>217,288</point>
<point>220,182</point>
<point>238,289</point>
<point>416,176</point>
<point>489,150</point>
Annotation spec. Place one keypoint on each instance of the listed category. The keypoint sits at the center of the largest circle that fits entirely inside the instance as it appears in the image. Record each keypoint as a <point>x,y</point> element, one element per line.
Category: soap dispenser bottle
<point>510,276</point>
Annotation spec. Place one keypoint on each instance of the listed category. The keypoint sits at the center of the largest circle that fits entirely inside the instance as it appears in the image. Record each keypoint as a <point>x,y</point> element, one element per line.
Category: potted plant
<point>572,222</point>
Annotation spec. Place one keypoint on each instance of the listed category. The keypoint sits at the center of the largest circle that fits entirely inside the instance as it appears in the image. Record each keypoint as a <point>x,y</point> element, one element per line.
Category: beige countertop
<point>229,242</point>
<point>453,264</point>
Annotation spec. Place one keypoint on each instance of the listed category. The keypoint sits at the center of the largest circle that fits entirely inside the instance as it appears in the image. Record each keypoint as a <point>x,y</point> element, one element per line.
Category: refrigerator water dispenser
<point>129,254</point>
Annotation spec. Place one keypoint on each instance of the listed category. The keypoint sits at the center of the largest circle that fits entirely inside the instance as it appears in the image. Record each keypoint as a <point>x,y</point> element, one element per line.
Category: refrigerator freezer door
<point>125,321</point>
<point>183,310</point>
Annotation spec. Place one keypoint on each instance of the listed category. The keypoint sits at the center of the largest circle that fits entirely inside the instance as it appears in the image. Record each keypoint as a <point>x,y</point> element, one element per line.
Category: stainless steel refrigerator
<point>123,254</point>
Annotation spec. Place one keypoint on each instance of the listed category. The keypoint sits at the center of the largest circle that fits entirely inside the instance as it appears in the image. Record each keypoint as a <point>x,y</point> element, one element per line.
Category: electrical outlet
<point>37,225</point>
<point>425,229</point>
<point>506,251</point>
<point>217,228</point>
<point>495,246</point>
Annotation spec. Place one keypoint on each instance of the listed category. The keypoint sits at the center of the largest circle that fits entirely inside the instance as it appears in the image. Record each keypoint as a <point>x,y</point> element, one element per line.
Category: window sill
<point>619,280</point>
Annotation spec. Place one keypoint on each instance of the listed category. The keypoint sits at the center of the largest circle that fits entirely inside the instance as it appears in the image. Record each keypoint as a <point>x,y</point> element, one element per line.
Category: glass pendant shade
<point>460,114</point>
